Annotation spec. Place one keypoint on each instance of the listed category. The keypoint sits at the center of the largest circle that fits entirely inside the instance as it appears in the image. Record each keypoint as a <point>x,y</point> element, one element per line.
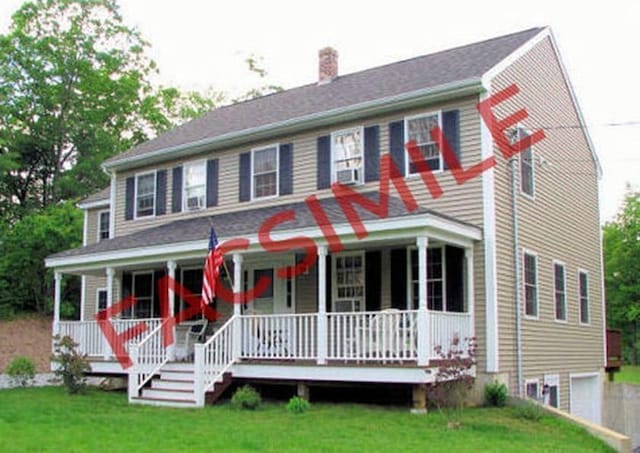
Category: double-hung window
<point>101,296</point>
<point>265,172</point>
<point>195,180</point>
<point>559,293</point>
<point>349,282</point>
<point>530,284</point>
<point>145,194</point>
<point>418,129</point>
<point>348,155</point>
<point>583,289</point>
<point>103,225</point>
<point>527,185</point>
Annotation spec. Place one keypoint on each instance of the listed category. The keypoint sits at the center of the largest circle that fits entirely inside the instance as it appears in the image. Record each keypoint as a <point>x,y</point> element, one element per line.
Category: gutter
<point>383,105</point>
<point>516,266</point>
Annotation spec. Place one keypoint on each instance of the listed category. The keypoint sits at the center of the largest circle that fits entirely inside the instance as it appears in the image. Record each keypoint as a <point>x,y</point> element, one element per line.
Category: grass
<point>47,419</point>
<point>629,373</point>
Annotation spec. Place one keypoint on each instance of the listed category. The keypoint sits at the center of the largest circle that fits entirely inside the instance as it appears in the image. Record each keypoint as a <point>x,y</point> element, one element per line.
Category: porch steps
<point>175,387</point>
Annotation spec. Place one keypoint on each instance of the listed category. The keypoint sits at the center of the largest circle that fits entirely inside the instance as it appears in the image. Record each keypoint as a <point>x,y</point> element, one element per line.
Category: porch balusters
<point>322,305</point>
<point>424,342</point>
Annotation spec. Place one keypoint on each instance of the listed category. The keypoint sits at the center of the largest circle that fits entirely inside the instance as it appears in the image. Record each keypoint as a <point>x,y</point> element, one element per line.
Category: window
<point>265,172</point>
<point>102,299</point>
<point>418,129</point>
<point>445,279</point>
<point>103,225</point>
<point>526,167</point>
<point>347,154</point>
<point>531,388</point>
<point>142,290</point>
<point>145,194</point>
<point>583,288</point>
<point>195,180</point>
<point>349,282</point>
<point>559,294</point>
<point>530,285</point>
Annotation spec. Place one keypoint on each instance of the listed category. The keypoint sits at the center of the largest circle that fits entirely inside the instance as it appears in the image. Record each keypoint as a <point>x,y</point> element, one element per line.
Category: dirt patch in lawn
<point>29,336</point>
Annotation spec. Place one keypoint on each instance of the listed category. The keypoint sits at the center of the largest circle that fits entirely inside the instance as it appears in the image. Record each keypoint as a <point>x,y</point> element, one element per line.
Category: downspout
<point>516,262</point>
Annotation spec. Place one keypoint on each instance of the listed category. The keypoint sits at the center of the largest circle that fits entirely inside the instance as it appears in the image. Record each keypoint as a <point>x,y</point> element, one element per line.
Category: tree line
<point>75,89</point>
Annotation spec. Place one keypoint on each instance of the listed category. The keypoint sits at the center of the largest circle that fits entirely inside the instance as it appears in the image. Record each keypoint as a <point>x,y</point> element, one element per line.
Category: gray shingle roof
<point>237,224</point>
<point>103,195</point>
<point>433,70</point>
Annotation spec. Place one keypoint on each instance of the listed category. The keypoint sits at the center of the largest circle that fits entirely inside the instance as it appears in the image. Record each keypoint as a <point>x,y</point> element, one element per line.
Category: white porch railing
<point>147,358</point>
<point>373,336</point>
<point>443,326</point>
<point>290,336</point>
<point>90,337</point>
<point>213,358</point>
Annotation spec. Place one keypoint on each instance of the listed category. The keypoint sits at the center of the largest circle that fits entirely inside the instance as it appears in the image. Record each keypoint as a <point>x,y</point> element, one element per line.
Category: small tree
<point>72,366</point>
<point>454,379</point>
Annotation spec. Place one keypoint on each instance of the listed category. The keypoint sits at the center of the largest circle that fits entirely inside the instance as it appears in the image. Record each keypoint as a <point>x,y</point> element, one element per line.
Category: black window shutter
<point>451,131</point>
<point>128,198</point>
<point>327,283</point>
<point>157,276</point>
<point>455,278</point>
<point>286,169</point>
<point>176,191</point>
<point>212,183</point>
<point>396,144</point>
<point>324,162</point>
<point>371,153</point>
<point>399,279</point>
<point>161,192</point>
<point>373,280</point>
<point>245,177</point>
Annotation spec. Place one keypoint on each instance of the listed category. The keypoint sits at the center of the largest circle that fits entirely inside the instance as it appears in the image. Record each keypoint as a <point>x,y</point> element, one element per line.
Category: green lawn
<point>629,373</point>
<point>46,419</point>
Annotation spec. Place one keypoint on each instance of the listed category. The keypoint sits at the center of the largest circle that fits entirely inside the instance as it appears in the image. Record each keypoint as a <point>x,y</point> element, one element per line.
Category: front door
<point>278,298</point>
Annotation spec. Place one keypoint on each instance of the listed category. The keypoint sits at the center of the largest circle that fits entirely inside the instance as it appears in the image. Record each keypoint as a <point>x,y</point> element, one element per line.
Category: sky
<point>201,44</point>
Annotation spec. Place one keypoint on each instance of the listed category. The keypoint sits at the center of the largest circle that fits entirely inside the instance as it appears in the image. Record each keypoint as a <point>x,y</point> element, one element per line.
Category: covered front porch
<point>384,302</point>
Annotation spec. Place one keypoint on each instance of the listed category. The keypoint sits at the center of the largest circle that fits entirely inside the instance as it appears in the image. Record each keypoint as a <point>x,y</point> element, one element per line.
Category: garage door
<point>586,397</point>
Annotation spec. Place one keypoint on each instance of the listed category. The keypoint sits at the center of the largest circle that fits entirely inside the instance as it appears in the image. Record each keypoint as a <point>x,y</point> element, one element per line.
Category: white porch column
<point>171,274</point>
<point>468,255</point>
<point>57,294</point>
<point>322,305</point>
<point>106,348</point>
<point>424,334</point>
<point>237,289</point>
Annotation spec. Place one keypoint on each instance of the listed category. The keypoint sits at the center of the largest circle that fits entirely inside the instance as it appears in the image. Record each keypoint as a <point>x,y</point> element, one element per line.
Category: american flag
<point>211,271</point>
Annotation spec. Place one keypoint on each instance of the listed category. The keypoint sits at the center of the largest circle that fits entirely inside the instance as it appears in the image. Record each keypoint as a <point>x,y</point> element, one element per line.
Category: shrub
<point>454,378</point>
<point>529,411</point>
<point>297,405</point>
<point>72,366</point>
<point>21,370</point>
<point>246,397</point>
<point>496,394</point>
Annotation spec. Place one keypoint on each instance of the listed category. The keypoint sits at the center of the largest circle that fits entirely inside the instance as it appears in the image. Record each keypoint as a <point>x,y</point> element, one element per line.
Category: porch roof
<point>192,234</point>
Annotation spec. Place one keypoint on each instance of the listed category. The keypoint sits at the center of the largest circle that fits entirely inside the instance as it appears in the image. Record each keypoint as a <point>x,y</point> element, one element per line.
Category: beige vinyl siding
<point>92,284</point>
<point>561,223</point>
<point>462,202</point>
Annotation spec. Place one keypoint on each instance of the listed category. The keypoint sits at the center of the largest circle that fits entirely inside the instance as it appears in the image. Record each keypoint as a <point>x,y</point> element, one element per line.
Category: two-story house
<point>509,255</point>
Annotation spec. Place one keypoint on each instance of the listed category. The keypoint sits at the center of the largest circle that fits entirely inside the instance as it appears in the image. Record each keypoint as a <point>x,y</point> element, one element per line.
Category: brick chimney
<point>327,65</point>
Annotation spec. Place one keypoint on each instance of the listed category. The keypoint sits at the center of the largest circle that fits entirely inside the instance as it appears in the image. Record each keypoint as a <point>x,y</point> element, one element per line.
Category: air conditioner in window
<point>348,176</point>
<point>194,203</point>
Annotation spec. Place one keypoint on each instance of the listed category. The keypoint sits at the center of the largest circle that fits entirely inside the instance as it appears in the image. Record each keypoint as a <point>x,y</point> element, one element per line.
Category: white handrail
<point>213,358</point>
<point>147,358</point>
